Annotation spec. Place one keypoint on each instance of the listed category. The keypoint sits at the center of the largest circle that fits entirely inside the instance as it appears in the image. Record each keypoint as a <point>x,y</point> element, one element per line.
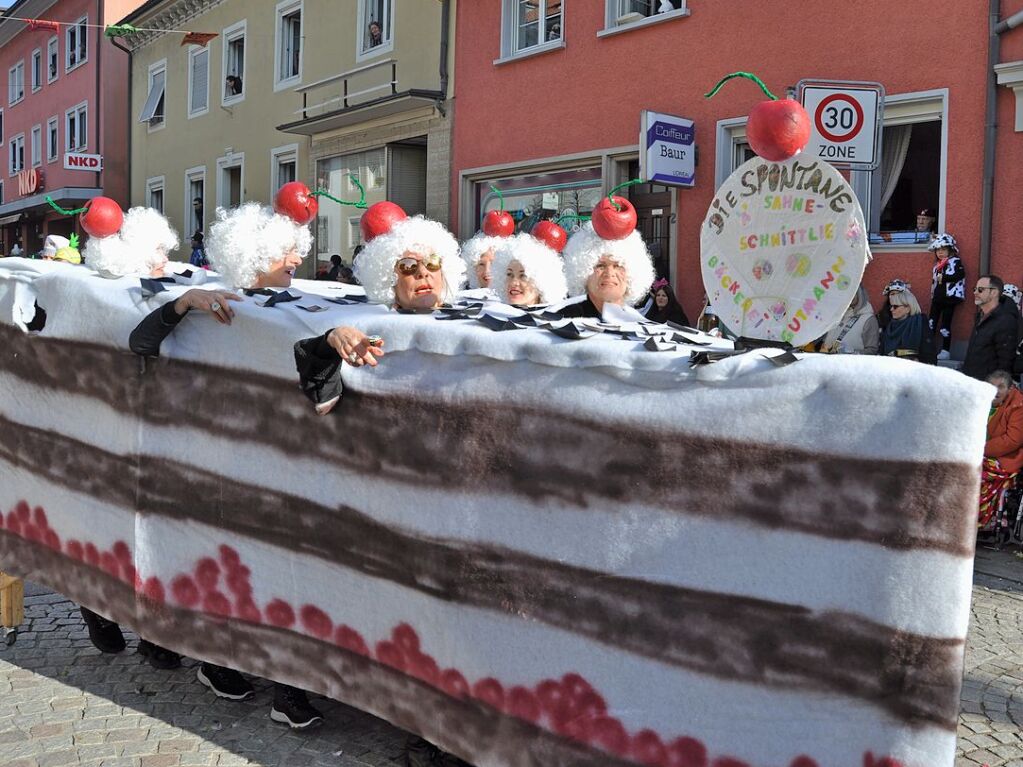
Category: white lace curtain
<point>893,157</point>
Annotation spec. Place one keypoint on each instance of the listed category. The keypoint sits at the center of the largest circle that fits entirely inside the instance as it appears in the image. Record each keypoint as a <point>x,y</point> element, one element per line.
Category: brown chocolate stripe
<point>529,451</point>
<point>464,727</point>
<point>754,641</point>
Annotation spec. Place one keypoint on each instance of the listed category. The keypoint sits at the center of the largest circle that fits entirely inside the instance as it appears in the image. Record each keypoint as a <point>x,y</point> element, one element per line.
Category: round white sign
<point>783,249</point>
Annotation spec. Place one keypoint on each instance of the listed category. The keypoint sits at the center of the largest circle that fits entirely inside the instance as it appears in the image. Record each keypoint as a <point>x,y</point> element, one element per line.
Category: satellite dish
<point>782,250</point>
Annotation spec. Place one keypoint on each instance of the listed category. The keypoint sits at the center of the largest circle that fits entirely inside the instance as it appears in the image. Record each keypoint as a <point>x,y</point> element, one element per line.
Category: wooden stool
<point>12,606</point>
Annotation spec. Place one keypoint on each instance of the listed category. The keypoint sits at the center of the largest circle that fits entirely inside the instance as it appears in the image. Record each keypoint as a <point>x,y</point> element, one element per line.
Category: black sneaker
<point>225,682</point>
<point>291,707</point>
<point>106,635</point>
<point>159,657</point>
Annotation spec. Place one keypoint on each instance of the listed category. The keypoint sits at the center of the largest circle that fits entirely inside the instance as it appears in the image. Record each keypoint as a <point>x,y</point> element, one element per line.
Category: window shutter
<point>406,177</point>
<point>200,80</point>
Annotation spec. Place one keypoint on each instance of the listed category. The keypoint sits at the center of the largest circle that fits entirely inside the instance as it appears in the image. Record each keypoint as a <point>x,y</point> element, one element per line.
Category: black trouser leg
<point>940,319</point>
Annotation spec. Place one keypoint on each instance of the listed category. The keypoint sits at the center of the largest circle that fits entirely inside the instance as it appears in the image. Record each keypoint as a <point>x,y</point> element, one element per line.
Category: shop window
<point>540,196</point>
<point>52,59</point>
<point>16,154</point>
<point>37,70</point>
<point>198,81</point>
<point>375,26</point>
<point>76,44</point>
<point>37,146</point>
<point>289,43</point>
<point>234,63</point>
<point>52,141</point>
<point>154,108</point>
<point>333,227</point>
<point>529,24</point>
<point>154,193</point>
<point>76,128</point>
<point>195,197</point>
<point>16,83</point>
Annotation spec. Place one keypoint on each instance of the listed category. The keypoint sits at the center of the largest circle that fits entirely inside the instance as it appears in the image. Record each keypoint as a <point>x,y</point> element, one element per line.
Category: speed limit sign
<point>845,122</point>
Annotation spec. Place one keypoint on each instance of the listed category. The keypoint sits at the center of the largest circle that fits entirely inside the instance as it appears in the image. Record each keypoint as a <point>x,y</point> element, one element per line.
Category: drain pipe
<point>997,28</point>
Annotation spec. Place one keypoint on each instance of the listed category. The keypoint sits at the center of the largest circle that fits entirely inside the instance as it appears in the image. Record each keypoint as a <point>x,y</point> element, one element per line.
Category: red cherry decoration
<point>777,129</point>
<point>379,218</point>
<point>550,234</point>
<point>295,201</point>
<point>498,223</point>
<point>101,217</point>
<point>613,223</point>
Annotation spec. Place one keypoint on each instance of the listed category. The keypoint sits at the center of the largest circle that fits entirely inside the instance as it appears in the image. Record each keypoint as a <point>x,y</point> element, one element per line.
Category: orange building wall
<point>589,96</point>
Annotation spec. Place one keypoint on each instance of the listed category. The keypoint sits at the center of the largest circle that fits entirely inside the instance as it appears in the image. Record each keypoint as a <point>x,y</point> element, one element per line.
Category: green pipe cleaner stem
<point>361,204</point>
<point>748,76</point>
<point>611,194</point>
<point>500,196</point>
<point>61,210</point>
<point>563,216</point>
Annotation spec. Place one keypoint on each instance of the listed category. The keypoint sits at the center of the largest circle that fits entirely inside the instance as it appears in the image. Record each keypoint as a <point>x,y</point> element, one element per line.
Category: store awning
<point>66,197</point>
<point>5,220</point>
<point>388,106</point>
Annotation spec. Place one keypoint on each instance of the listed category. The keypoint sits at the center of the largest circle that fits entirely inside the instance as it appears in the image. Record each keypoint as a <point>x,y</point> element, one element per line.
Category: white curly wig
<point>245,241</point>
<point>374,266</point>
<point>134,250</point>
<point>473,250</point>
<point>584,249</point>
<point>540,263</point>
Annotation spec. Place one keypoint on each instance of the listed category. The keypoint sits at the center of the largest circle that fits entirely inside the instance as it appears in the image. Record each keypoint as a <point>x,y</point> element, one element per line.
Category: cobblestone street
<point>64,703</point>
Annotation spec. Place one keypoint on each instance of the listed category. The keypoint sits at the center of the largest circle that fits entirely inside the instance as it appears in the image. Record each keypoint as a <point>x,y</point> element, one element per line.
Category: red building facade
<point>549,94</point>
<point>66,95</point>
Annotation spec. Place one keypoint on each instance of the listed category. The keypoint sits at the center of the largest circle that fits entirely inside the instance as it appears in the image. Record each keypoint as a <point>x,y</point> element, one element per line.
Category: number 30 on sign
<point>845,121</point>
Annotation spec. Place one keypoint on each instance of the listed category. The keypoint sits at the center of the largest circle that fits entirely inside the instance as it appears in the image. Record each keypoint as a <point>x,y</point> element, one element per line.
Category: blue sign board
<point>668,149</point>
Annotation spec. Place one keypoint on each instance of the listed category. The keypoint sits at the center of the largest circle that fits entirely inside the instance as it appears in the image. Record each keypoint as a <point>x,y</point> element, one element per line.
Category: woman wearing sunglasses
<point>906,334</point>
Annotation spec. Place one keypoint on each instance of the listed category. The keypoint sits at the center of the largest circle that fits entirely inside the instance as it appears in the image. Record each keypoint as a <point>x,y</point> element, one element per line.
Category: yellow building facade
<point>319,91</point>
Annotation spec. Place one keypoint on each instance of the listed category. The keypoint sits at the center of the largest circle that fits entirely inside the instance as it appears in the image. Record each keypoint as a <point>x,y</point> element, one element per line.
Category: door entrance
<point>653,211</point>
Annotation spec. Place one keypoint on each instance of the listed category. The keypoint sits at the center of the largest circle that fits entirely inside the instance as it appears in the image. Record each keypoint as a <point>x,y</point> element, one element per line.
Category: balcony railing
<point>336,92</point>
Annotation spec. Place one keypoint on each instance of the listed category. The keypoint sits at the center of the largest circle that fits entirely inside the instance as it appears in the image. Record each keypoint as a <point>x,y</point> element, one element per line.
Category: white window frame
<point>193,51</point>
<point>286,8</point>
<point>615,22</point>
<point>37,82</point>
<point>19,67</point>
<point>12,147</point>
<point>37,146</point>
<point>362,54</point>
<point>77,110</point>
<point>231,33</point>
<point>233,160</point>
<point>278,156</point>
<point>153,184</point>
<point>54,43</point>
<point>155,68</point>
<point>52,126</point>
<point>509,33</point>
<point>81,29</point>
<point>191,175</point>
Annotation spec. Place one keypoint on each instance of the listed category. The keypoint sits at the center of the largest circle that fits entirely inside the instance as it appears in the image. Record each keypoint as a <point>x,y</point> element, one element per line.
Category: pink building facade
<point>66,96</point>
<point>549,95</point>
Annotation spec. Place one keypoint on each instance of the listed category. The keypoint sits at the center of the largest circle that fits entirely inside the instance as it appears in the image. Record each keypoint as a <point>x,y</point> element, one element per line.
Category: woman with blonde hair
<point>907,334</point>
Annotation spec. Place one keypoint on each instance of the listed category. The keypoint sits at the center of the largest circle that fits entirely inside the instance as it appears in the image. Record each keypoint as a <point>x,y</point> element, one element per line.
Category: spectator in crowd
<point>198,257</point>
<point>948,288</point>
<point>857,332</point>
<point>335,268</point>
<point>16,248</point>
<point>993,341</point>
<point>906,334</point>
<point>232,85</point>
<point>925,221</point>
<point>665,307</point>
<point>1003,451</point>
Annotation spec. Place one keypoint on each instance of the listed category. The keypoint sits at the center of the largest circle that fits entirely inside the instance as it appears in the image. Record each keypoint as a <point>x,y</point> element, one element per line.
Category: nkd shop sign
<point>30,181</point>
<point>75,161</point>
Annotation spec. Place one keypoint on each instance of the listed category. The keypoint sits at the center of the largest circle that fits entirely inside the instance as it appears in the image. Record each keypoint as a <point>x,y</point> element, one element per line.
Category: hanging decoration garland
<point>116,30</point>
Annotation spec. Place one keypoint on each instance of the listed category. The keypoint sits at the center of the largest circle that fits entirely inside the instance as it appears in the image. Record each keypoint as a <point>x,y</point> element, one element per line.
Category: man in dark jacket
<point>993,342</point>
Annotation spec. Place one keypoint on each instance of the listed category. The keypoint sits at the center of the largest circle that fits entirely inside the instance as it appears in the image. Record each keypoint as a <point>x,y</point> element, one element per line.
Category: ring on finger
<point>353,358</point>
<point>215,306</point>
